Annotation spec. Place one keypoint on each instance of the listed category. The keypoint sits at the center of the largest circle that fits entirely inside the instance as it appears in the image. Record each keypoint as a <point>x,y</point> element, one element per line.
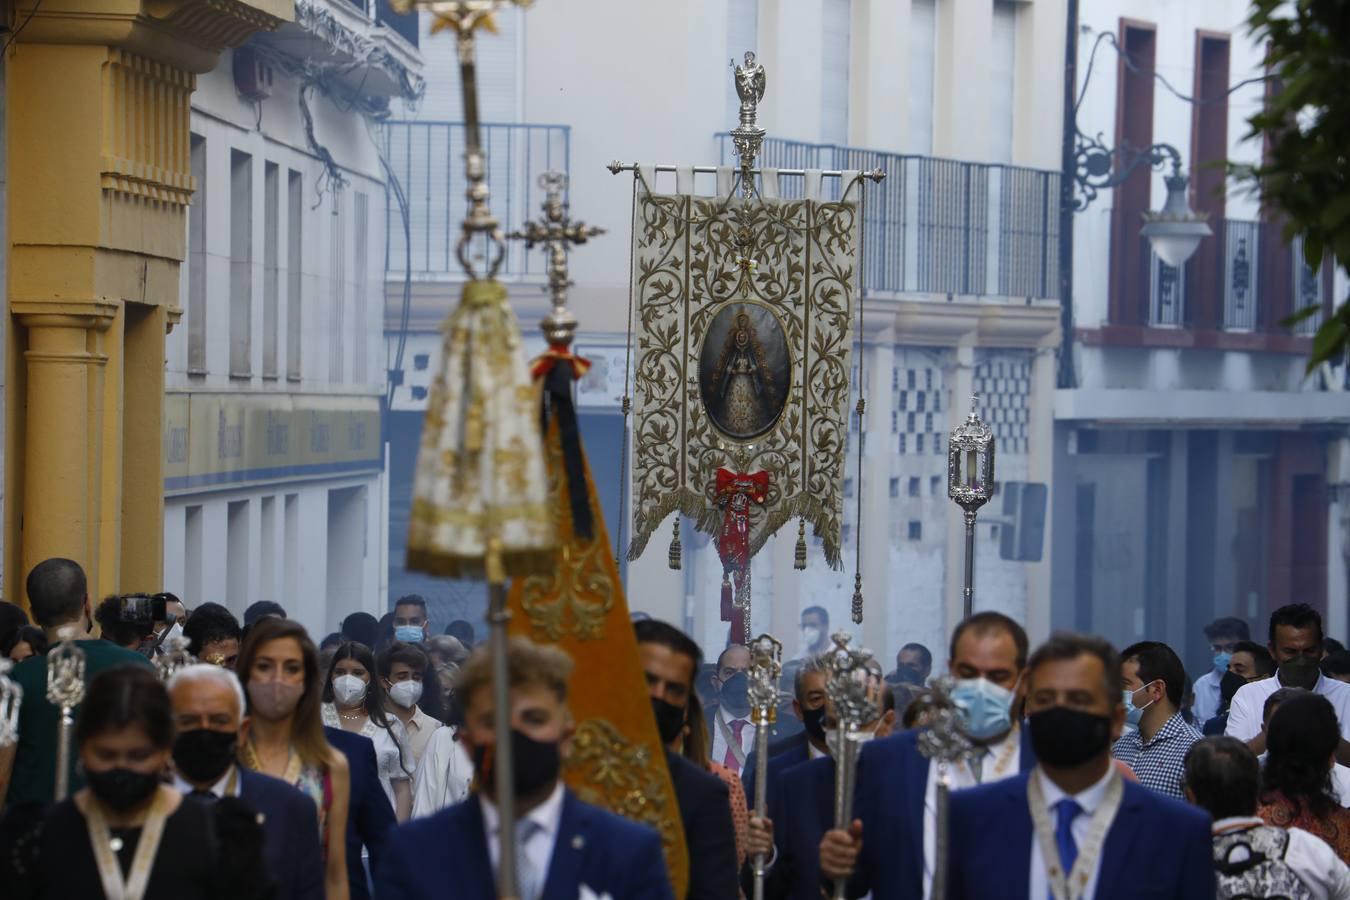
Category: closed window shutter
<point>834,75</point>
<point>922,39</point>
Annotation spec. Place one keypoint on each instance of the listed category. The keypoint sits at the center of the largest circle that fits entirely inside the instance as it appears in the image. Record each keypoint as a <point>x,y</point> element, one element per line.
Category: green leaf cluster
<point>1305,124</point>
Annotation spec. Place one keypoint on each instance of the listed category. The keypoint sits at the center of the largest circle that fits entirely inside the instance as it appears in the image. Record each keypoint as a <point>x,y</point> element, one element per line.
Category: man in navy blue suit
<point>889,850</point>
<point>805,811</point>
<point>808,705</point>
<point>208,703</point>
<point>1074,813</point>
<point>669,660</point>
<point>370,815</point>
<point>563,844</point>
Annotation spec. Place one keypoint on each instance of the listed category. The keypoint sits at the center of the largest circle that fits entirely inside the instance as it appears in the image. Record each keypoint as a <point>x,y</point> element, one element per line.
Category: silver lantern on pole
<point>766,665</point>
<point>11,698</point>
<point>854,685</point>
<point>65,690</point>
<point>970,484</point>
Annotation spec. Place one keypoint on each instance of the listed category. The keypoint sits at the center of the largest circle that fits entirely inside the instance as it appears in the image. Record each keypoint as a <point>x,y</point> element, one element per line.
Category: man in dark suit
<point>208,704</point>
<point>804,812</point>
<point>889,850</point>
<point>808,706</point>
<point>1074,812</point>
<point>370,816</point>
<point>562,843</point>
<point>670,659</point>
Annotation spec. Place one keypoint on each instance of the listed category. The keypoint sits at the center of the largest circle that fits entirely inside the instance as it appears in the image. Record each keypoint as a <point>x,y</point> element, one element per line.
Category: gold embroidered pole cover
<point>480,473</point>
<point>744,312</point>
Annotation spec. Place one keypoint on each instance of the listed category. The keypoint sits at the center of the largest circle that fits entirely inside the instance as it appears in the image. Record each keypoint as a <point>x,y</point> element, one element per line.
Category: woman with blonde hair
<point>280,671</point>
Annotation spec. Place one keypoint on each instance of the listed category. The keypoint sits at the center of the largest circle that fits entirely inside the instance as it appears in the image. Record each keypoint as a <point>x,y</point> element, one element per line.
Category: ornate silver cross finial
<point>853,683</point>
<point>557,232</point>
<point>65,689</point>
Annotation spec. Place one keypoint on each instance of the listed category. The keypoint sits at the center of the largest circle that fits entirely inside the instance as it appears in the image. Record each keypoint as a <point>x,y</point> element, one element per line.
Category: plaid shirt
<point>1159,762</point>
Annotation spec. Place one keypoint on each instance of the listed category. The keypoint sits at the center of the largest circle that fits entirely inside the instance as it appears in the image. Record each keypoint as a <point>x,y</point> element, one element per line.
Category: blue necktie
<point>1067,810</point>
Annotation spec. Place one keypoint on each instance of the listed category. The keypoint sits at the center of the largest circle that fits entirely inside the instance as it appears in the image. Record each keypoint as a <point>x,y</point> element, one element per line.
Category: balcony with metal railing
<point>941,226</point>
<point>427,159</point>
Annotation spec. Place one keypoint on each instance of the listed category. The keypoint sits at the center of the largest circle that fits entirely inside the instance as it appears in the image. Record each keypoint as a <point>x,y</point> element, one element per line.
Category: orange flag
<point>617,760</point>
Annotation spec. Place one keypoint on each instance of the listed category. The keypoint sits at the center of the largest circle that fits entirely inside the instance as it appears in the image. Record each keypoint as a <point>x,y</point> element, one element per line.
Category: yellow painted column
<point>98,105</point>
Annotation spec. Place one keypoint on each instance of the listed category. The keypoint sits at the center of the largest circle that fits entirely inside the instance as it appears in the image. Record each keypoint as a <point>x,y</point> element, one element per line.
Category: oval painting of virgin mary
<point>744,372</point>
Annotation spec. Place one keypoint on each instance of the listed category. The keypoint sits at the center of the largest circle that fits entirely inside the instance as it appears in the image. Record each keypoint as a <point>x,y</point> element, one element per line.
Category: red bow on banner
<point>736,491</point>
<point>556,370</point>
<point>556,353</point>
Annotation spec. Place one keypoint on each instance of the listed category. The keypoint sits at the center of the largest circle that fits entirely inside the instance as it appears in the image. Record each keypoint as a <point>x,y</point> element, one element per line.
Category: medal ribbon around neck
<point>732,744</point>
<point>1011,742</point>
<point>1074,886</point>
<point>109,869</point>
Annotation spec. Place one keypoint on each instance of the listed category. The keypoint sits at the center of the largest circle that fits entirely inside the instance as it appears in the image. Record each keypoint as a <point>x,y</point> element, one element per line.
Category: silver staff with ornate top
<point>970,483</point>
<point>11,698</point>
<point>65,690</point>
<point>766,665</point>
<point>853,683</point>
<point>945,742</point>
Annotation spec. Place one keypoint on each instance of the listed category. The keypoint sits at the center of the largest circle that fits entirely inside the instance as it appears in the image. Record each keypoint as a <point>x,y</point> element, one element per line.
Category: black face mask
<point>735,692</point>
<point>1300,672</point>
<point>122,789</point>
<point>1068,737</point>
<point>1228,686</point>
<point>203,755</point>
<point>813,720</point>
<point>534,765</point>
<point>669,720</point>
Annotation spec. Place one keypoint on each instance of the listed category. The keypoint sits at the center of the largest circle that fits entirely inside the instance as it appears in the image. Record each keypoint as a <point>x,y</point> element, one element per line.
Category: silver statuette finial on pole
<point>65,690</point>
<point>766,665</point>
<point>747,136</point>
<point>11,698</point>
<point>944,741</point>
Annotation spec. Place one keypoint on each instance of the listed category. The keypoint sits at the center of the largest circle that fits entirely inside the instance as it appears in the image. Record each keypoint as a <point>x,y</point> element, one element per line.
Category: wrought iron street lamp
<point>1089,166</point>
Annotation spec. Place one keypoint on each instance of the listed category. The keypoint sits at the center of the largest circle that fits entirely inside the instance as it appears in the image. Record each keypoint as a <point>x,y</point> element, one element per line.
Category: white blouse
<point>387,742</point>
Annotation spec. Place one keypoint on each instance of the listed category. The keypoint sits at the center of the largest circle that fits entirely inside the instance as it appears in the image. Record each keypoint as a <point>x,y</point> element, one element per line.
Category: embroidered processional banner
<point>743,312</point>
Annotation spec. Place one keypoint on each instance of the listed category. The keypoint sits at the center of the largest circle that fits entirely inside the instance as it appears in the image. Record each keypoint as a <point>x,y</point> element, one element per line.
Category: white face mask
<point>349,690</point>
<point>810,635</point>
<point>406,693</point>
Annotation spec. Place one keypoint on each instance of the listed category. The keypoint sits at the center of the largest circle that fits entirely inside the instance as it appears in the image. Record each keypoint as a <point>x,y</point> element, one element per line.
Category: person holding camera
<point>58,596</point>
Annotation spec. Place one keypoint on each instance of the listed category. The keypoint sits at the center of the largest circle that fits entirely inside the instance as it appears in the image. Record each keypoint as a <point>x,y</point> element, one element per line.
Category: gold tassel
<point>857,599</point>
<point>675,548</point>
<point>799,561</point>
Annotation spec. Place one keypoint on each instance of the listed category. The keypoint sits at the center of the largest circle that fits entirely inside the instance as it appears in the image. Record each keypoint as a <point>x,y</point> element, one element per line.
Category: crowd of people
<point>362,766</point>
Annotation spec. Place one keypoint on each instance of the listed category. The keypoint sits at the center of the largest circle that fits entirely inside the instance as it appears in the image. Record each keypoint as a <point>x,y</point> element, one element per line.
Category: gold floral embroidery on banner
<point>690,261</point>
<point>605,768</point>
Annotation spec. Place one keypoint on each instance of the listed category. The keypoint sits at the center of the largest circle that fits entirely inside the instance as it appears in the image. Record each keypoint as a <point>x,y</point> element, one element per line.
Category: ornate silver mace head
<point>65,671</point>
<point>766,665</point>
<point>853,683</point>
<point>11,698</point>
<point>945,738</point>
<point>175,658</point>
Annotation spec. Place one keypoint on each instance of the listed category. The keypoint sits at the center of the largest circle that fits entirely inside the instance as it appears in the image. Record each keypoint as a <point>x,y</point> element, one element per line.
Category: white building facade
<point>956,99</point>
<point>275,483</point>
<point>1199,473</point>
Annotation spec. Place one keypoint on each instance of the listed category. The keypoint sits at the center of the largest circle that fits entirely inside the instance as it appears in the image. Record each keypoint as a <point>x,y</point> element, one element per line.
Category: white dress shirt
<point>1207,697</point>
<point>1088,800</point>
<point>418,730</point>
<point>444,774</point>
<point>1314,862</point>
<point>1002,761</point>
<point>184,787</point>
<point>1245,713</point>
<point>719,743</point>
<point>538,850</point>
